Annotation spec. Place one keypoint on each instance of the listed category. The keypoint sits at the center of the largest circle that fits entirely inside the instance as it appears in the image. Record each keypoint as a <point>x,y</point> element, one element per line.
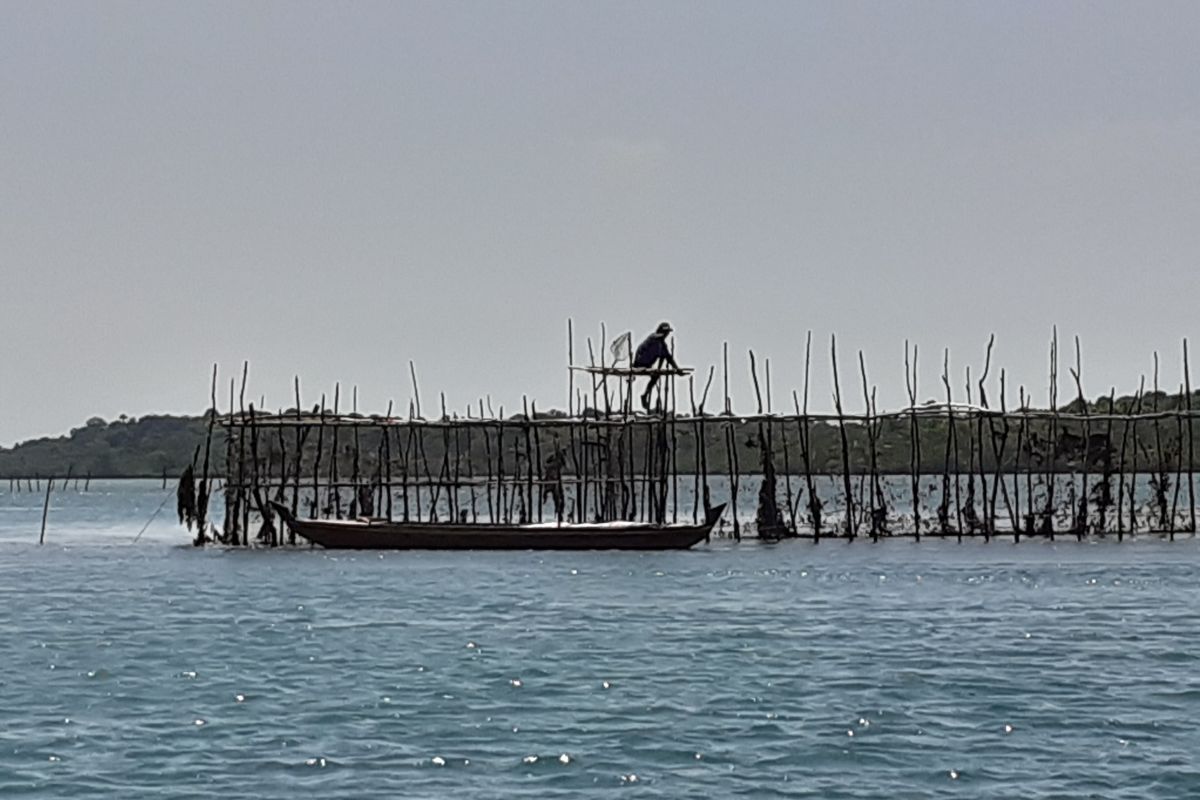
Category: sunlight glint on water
<point>832,671</point>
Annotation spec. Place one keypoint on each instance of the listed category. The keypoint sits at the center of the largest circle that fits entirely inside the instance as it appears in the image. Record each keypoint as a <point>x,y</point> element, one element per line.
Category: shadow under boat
<point>376,534</point>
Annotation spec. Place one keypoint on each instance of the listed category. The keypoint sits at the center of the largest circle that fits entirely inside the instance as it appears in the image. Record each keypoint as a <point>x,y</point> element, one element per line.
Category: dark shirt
<point>651,351</point>
<point>552,469</point>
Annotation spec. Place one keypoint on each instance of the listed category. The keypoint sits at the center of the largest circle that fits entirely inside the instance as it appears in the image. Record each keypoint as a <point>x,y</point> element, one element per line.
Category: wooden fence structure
<point>955,468</point>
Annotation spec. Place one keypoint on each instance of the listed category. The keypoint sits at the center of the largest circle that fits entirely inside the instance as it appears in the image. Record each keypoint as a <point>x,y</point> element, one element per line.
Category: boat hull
<point>380,535</point>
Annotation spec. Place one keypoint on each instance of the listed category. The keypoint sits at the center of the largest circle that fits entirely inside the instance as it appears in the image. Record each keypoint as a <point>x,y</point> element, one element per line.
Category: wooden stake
<point>46,510</point>
<point>803,423</point>
<point>570,369</point>
<point>848,491</point>
<point>1191,458</point>
<point>317,508</point>
<point>243,496</point>
<point>725,360</point>
<point>910,382</point>
<point>412,369</point>
<point>874,493</point>
<point>1081,516</point>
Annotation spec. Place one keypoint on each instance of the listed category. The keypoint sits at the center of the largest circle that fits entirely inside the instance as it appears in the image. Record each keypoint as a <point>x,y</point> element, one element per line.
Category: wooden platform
<point>633,372</point>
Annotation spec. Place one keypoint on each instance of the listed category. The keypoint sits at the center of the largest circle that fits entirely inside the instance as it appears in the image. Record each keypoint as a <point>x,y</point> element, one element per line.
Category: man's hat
<point>664,328</point>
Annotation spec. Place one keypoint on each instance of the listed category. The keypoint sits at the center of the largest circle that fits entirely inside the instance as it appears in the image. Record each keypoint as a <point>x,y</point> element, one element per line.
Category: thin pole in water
<point>46,510</point>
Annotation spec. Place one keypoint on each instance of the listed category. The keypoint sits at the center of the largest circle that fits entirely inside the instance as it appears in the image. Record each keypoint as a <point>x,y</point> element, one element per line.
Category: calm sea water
<point>152,670</point>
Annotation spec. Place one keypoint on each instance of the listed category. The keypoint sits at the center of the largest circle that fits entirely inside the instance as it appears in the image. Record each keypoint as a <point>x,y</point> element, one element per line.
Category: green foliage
<point>123,449</point>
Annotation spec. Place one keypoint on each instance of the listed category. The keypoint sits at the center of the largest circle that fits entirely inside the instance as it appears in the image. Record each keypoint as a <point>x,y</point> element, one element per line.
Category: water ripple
<point>834,671</point>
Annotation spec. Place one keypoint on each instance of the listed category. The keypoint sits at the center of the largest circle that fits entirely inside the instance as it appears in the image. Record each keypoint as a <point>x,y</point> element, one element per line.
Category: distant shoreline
<point>156,446</point>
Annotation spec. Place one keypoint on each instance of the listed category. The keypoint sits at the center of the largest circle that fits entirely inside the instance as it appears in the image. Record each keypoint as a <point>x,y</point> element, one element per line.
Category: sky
<point>330,190</point>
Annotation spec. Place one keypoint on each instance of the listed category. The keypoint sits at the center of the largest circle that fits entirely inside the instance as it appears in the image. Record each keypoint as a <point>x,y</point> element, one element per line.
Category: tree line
<point>154,445</point>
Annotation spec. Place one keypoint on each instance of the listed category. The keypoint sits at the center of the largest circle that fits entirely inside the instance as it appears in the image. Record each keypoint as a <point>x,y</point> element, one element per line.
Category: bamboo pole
<point>1121,462</point>
<point>1019,519</point>
<point>951,450</point>
<point>731,444</point>
<point>444,471</point>
<point>699,447</point>
<point>1166,521</point>
<point>570,369</point>
<point>421,460</point>
<point>1178,450</point>
<point>604,366</point>
<point>528,459</point>
<point>577,468</point>
<point>1160,490</point>
<point>791,497</point>
<point>673,455</point>
<point>203,494</point>
<point>970,514</point>
<point>1081,518</point>
<point>649,498</point>
<point>910,383</point>
<point>725,363</point>
<point>631,452</point>
<point>1191,479</point>
<point>1105,504</point>
<point>814,501</point>
<point>336,454</point>
<point>767,503</point>
<point>702,446</point>
<point>412,371</point>
<point>501,506</point>
<point>998,482</point>
<point>229,524</point>
<point>387,466</point>
<point>470,473</point>
<point>663,462</point>
<point>317,508</point>
<point>302,434</point>
<point>356,508</point>
<point>493,508</point>
<point>46,510</point>
<point>243,498</point>
<point>1030,517</point>
<point>407,473</point>
<point>872,461</point>
<point>848,491</point>
<point>989,521</point>
<point>458,513</point>
<point>266,534</point>
<point>1134,467</point>
<point>585,442</point>
<point>279,496</point>
<point>1052,473</point>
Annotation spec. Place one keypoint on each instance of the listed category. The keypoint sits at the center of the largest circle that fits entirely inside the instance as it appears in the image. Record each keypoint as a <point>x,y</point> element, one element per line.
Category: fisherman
<point>552,481</point>
<point>649,353</point>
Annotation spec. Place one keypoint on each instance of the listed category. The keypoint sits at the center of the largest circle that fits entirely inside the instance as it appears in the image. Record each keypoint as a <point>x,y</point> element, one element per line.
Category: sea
<point>133,665</point>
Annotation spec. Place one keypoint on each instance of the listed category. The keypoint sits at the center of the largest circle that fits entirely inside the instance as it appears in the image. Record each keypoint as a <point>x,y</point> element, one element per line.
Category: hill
<point>124,448</point>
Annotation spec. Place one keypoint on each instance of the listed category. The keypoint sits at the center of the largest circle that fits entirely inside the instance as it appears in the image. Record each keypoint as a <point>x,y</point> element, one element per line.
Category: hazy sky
<point>332,189</point>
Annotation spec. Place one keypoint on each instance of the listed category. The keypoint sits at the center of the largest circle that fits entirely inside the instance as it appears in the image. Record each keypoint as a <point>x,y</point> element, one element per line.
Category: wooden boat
<point>378,534</point>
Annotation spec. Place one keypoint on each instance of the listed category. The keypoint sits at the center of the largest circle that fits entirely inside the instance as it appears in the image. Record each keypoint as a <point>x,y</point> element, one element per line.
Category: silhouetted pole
<point>46,510</point>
